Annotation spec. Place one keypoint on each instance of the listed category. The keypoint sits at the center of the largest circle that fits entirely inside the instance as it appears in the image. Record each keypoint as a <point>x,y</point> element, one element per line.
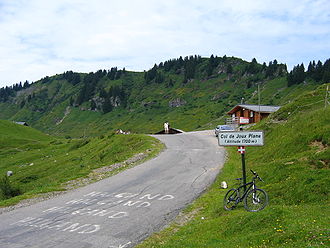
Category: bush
<point>7,190</point>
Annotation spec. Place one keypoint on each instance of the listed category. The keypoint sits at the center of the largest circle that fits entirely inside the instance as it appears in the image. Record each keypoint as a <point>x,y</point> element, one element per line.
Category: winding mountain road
<point>120,211</point>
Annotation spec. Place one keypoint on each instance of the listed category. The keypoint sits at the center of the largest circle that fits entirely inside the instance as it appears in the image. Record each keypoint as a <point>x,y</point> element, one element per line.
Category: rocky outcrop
<point>220,95</point>
<point>176,103</point>
<point>66,113</point>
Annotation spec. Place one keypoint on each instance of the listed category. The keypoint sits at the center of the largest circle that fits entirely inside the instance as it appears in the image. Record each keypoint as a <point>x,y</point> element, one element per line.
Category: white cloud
<point>40,38</point>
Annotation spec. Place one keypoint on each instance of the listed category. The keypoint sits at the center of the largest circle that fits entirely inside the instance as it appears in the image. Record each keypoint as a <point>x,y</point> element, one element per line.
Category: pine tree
<point>75,79</point>
<point>93,105</point>
<point>107,106</point>
<point>82,95</point>
<point>270,69</point>
<point>253,67</point>
<point>311,69</point>
<point>26,84</point>
<point>318,71</point>
<point>301,74</point>
<point>71,101</point>
<point>189,68</point>
<point>159,78</point>
<point>103,93</point>
<point>326,77</point>
<point>326,71</point>
<point>229,69</point>
<point>297,75</point>
<point>211,65</point>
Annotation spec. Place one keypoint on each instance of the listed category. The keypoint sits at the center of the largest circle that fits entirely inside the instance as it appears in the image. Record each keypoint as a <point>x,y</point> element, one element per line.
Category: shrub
<point>7,190</point>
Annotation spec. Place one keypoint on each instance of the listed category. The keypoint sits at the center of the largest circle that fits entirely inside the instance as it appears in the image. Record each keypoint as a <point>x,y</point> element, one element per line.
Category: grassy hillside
<point>12,134</point>
<point>41,163</point>
<point>205,102</point>
<point>191,93</point>
<point>294,164</point>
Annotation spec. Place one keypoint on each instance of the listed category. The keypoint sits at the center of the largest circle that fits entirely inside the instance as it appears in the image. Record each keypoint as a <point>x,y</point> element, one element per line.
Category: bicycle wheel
<point>231,199</point>
<point>255,200</point>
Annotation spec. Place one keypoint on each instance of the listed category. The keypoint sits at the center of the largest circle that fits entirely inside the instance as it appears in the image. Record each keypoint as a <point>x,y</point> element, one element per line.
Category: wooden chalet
<point>247,113</point>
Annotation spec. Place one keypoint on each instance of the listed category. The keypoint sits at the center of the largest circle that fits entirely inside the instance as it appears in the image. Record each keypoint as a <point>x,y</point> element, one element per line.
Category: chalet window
<point>251,114</point>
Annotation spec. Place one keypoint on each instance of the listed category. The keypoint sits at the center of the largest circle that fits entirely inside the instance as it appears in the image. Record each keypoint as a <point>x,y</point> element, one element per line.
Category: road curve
<point>120,211</point>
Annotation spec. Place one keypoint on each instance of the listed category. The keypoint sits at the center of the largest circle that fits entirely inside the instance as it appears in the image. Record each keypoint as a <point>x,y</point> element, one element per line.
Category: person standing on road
<point>166,127</point>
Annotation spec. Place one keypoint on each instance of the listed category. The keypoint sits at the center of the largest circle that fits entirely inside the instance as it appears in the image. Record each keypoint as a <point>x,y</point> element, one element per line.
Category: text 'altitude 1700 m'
<point>250,138</point>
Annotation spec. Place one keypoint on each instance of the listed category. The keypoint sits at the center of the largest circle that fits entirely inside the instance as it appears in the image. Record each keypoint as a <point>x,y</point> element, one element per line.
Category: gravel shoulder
<point>96,175</point>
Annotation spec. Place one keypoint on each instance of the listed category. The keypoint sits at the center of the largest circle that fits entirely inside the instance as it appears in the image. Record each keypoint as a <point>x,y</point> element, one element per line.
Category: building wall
<point>254,117</point>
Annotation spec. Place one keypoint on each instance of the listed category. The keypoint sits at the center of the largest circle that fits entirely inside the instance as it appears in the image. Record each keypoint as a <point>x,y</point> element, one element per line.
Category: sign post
<point>241,150</point>
<point>241,139</point>
<point>243,170</point>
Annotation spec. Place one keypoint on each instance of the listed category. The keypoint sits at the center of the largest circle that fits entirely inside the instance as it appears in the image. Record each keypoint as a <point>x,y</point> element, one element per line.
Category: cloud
<point>42,38</point>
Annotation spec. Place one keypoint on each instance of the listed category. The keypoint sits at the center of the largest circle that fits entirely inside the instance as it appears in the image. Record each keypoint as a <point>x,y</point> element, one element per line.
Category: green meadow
<point>41,163</point>
<point>294,163</point>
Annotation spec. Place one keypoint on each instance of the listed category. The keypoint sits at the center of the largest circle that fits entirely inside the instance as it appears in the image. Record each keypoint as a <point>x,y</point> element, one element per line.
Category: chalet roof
<point>256,108</point>
<point>21,123</point>
<point>171,131</point>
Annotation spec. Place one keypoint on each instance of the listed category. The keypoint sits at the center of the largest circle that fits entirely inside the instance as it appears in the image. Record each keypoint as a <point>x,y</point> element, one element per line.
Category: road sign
<point>241,139</point>
<point>249,138</point>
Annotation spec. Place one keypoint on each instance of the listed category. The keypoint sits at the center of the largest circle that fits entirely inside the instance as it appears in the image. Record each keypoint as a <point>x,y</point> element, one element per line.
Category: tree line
<point>10,91</point>
<point>317,72</point>
<point>189,67</point>
<point>186,65</point>
<point>192,67</point>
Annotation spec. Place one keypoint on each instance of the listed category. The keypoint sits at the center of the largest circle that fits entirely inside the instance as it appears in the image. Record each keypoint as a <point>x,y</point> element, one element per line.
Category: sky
<point>41,38</point>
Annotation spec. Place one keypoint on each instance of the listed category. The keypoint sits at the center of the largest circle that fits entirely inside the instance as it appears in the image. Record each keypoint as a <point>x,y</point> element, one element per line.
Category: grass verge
<point>295,166</point>
<point>42,163</point>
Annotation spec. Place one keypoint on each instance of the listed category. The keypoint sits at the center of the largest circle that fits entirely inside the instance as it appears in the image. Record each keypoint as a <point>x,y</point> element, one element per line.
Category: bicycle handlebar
<point>256,175</point>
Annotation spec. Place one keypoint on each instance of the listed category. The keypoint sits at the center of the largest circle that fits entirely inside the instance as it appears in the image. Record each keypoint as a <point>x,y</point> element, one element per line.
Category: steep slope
<point>294,163</point>
<point>12,134</point>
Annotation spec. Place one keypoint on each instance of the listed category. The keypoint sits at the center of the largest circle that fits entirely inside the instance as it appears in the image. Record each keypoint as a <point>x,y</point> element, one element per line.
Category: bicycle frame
<point>246,188</point>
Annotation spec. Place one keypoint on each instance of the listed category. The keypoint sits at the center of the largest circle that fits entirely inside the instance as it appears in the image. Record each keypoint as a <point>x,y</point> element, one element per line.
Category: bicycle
<point>255,199</point>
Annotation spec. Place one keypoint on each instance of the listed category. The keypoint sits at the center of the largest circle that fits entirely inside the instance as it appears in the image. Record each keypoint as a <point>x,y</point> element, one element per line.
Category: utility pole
<point>259,101</point>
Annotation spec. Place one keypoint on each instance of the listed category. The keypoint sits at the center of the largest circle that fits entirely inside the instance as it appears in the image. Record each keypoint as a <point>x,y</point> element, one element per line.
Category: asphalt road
<point>120,211</point>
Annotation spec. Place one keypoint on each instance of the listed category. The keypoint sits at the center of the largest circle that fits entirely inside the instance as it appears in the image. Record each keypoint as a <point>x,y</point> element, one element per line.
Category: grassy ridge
<point>42,163</point>
<point>202,111</point>
<point>11,134</point>
<point>295,166</point>
<point>51,104</point>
